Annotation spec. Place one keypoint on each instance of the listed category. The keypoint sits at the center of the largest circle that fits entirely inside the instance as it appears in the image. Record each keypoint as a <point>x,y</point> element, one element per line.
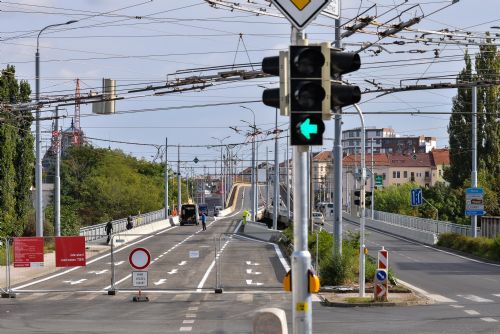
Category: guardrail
<point>422,224</point>
<point>96,232</point>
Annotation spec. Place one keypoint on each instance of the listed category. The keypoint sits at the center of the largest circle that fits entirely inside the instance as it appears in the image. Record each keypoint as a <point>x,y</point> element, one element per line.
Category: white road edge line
<point>434,297</point>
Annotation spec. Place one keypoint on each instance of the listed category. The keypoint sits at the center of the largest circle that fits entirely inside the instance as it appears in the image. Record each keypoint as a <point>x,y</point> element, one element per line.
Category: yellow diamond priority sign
<point>300,4</point>
<point>301,12</point>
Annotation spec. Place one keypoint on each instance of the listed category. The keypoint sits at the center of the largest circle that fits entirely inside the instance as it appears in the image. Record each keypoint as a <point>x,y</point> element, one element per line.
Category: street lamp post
<point>221,171</point>
<point>254,169</point>
<point>38,140</point>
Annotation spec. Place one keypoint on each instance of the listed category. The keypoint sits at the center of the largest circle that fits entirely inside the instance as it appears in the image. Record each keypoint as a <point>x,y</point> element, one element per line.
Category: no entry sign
<point>139,258</point>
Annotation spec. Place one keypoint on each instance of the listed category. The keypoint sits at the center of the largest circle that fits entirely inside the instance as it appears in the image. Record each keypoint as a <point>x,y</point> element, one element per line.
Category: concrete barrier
<point>261,231</point>
<point>270,321</point>
<point>424,237</point>
<point>232,207</point>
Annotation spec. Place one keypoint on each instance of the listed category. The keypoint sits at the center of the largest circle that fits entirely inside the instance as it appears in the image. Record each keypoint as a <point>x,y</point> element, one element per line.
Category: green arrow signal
<point>306,128</point>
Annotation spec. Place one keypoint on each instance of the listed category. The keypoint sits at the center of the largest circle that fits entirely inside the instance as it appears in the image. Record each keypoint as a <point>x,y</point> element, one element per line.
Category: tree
<point>16,154</point>
<point>487,66</point>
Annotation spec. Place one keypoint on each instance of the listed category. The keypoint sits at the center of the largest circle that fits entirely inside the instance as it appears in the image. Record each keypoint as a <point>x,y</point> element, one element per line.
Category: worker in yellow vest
<point>245,217</point>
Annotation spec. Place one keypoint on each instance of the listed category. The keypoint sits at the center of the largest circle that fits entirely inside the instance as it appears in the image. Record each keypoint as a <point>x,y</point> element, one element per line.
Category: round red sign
<point>139,258</point>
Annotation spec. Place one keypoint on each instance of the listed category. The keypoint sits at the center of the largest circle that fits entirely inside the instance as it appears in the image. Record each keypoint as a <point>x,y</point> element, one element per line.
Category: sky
<point>145,43</point>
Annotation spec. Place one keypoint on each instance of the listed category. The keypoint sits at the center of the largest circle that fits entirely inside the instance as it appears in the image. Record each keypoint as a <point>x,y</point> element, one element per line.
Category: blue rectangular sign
<point>474,205</point>
<point>416,197</point>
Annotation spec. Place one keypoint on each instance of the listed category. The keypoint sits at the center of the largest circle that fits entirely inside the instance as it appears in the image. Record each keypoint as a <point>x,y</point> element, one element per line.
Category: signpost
<point>301,12</point>
<point>28,252</point>
<point>474,205</point>
<point>379,180</point>
<point>70,251</point>
<point>416,197</point>
<point>381,287</point>
<point>139,259</point>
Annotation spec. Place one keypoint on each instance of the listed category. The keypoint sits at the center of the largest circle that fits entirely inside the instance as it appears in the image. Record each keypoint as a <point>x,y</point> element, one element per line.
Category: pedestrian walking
<point>130,225</point>
<point>109,230</point>
<point>204,221</point>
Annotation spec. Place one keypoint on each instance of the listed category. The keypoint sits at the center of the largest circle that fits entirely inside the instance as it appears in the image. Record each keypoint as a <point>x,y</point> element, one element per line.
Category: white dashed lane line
<point>471,312</point>
<point>489,319</point>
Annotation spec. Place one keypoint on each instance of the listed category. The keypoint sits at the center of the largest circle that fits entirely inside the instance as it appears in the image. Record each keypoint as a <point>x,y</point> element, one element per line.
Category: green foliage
<point>481,247</point>
<point>16,155</point>
<point>102,184</point>
<point>395,199</point>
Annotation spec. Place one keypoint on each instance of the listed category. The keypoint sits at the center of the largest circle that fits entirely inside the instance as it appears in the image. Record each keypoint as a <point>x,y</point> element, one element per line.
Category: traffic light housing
<point>357,197</point>
<point>307,94</point>
<point>368,198</point>
<point>277,97</point>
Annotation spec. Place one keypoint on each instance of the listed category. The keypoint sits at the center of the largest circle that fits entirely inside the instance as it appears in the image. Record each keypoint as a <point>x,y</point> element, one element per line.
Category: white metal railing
<point>423,224</point>
<point>96,232</point>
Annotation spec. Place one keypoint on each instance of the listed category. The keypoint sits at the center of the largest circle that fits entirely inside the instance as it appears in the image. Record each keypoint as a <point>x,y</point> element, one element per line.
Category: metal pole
<point>474,154</point>
<point>372,186</point>
<point>361,278</point>
<point>310,188</point>
<point>38,148</point>
<point>256,202</point>
<point>268,179</point>
<point>57,180</point>
<point>221,178</point>
<point>337,162</point>
<point>166,178</point>
<point>276,206</point>
<point>301,258</point>
<point>253,177</point>
<point>288,198</point>
<point>179,193</point>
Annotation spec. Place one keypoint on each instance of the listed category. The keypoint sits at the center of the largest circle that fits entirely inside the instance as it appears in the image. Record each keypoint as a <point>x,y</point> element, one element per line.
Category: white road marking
<point>182,297</point>
<point>182,263</point>
<point>249,263</point>
<point>81,280</point>
<point>57,297</point>
<point>488,319</point>
<point>160,281</point>
<point>191,315</point>
<point>457,306</point>
<point>173,271</point>
<point>100,272</point>
<point>193,308</point>
<point>185,329</point>
<point>117,263</point>
<point>435,297</point>
<point>251,272</point>
<point>476,299</point>
<point>245,298</point>
<point>471,312</point>
<point>118,282</point>
<point>94,260</point>
<point>250,282</point>
<point>189,321</point>
<point>496,295</point>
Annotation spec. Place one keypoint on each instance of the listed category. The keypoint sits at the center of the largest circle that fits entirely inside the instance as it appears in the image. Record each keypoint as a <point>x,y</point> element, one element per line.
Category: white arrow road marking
<point>251,272</point>
<point>476,298</point>
<point>249,263</point>
<point>249,282</point>
<point>76,282</point>
<point>160,281</point>
<point>98,272</point>
<point>182,263</point>
<point>173,271</point>
<point>117,263</point>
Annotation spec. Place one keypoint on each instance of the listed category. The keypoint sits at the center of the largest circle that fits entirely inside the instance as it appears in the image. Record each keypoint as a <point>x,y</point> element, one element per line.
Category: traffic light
<point>357,197</point>
<point>307,94</point>
<point>277,97</point>
<point>368,198</point>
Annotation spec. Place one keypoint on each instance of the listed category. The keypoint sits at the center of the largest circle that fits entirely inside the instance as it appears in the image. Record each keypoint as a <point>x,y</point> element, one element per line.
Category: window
<point>405,174</point>
<point>383,176</point>
<point>427,174</point>
<point>398,174</point>
<point>394,174</point>
<point>379,133</point>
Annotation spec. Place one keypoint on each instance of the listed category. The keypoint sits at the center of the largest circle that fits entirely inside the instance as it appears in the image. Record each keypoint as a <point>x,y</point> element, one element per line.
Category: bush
<point>482,247</point>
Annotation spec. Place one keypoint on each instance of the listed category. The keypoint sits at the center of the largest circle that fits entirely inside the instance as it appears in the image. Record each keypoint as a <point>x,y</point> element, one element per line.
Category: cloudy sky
<point>147,43</point>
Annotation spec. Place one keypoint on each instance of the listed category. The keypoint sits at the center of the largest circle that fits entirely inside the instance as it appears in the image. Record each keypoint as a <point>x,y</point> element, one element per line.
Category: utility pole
<point>57,180</point>
<point>276,206</point>
<point>474,154</point>
<point>361,277</point>
<point>268,179</point>
<point>372,186</point>
<point>288,198</point>
<point>179,204</point>
<point>166,178</point>
<point>337,162</point>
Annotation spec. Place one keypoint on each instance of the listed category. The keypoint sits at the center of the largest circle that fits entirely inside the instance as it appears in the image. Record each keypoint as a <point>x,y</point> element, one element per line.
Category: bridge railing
<point>96,232</point>
<point>423,224</point>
